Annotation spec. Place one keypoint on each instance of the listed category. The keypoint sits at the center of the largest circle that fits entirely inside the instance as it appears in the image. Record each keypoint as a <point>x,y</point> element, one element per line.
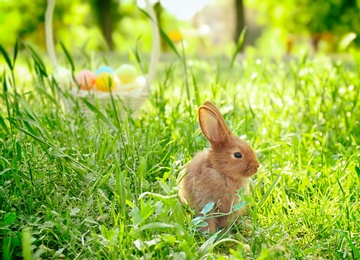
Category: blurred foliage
<point>320,20</point>
<point>283,24</point>
<point>75,23</point>
<point>25,19</point>
<point>298,16</point>
<point>20,18</point>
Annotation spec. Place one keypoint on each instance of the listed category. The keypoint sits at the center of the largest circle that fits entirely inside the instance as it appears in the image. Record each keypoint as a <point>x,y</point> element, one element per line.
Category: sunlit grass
<point>98,186</point>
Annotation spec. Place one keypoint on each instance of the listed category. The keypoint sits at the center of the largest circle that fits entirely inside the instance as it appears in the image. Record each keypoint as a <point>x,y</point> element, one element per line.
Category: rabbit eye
<point>237,155</point>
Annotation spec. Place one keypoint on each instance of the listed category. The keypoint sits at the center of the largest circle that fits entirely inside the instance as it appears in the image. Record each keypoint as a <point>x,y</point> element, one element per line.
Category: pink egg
<point>86,79</point>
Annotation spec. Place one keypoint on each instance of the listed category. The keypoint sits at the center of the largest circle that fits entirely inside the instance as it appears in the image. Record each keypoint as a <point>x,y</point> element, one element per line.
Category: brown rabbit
<point>216,174</point>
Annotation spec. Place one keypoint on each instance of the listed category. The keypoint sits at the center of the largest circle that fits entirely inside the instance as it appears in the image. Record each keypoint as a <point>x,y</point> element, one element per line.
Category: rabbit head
<point>228,154</point>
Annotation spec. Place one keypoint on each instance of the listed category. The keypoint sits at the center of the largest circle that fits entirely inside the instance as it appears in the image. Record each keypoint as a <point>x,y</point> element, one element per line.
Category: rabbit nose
<point>255,165</point>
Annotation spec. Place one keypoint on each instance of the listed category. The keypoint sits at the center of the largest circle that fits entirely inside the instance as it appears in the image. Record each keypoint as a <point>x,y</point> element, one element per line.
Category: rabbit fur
<point>216,174</point>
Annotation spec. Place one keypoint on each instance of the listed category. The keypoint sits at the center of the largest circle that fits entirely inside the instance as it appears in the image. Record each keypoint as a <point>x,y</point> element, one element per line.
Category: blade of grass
<point>208,244</point>
<point>8,110</point>
<point>120,177</point>
<point>16,48</point>
<point>49,39</point>
<point>100,115</point>
<point>39,140</point>
<point>102,180</point>
<point>355,251</point>
<point>164,36</point>
<point>266,195</point>
<point>6,57</point>
<point>238,47</point>
<point>157,225</point>
<point>115,109</point>
<point>38,61</point>
<point>68,57</point>
<point>52,150</point>
<point>26,244</point>
<point>186,79</point>
<point>4,126</point>
<point>196,90</point>
<point>137,55</point>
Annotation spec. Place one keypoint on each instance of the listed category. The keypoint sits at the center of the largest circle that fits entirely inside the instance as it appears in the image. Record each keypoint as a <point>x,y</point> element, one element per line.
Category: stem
<point>49,32</point>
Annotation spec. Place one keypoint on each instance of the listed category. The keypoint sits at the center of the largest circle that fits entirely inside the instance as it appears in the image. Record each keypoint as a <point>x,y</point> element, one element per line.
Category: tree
<point>327,20</point>
<point>239,19</point>
<point>106,12</point>
<point>158,12</point>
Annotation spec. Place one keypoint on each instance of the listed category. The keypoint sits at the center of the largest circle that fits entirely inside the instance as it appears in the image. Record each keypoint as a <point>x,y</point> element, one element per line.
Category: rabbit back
<point>202,184</point>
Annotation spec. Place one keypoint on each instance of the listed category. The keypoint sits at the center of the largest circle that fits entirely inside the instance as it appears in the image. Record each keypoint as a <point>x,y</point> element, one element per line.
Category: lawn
<point>100,186</point>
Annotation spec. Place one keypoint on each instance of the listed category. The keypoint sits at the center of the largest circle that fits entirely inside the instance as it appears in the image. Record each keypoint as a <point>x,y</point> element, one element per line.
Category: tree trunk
<point>105,17</point>
<point>158,12</point>
<point>239,20</point>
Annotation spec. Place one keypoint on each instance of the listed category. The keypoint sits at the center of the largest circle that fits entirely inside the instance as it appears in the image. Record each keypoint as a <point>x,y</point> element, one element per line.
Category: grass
<point>100,186</point>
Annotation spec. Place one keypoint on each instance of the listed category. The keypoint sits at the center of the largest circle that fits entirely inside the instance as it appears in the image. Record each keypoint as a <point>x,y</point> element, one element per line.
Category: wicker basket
<point>129,97</point>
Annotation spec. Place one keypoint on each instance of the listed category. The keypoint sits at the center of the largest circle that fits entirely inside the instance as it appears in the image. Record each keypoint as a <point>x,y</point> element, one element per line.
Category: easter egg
<point>86,79</point>
<point>104,81</point>
<point>126,73</point>
<point>102,69</point>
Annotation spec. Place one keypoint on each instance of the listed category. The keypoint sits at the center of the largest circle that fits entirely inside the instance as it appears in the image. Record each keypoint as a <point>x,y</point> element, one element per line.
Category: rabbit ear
<point>212,123</point>
<point>219,115</point>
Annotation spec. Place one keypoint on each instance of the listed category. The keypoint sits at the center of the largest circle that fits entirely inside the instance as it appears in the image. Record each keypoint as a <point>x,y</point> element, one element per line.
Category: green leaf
<point>266,195</point>
<point>16,48</point>
<point>136,216</point>
<point>8,219</point>
<point>102,180</point>
<point>209,206</point>
<point>38,61</point>
<point>18,152</point>
<point>200,221</point>
<point>99,114</point>
<point>208,243</point>
<point>136,51</point>
<point>164,36</point>
<point>357,169</point>
<point>238,47</point>
<point>33,135</point>
<point>5,82</point>
<point>68,56</point>
<point>346,41</point>
<point>29,120</point>
<point>139,244</point>
<point>351,242</point>
<point>156,225</point>
<point>58,253</point>
<point>170,43</point>
<point>4,126</point>
<point>8,246</point>
<point>26,244</point>
<point>239,205</point>
<point>196,90</point>
<point>6,57</point>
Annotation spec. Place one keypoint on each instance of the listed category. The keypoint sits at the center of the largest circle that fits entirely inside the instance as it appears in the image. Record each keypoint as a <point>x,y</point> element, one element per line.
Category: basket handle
<point>49,32</point>
<point>155,53</point>
<point>155,47</point>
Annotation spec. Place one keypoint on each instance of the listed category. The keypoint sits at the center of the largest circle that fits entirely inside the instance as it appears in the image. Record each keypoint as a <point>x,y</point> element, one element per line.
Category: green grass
<point>99,186</point>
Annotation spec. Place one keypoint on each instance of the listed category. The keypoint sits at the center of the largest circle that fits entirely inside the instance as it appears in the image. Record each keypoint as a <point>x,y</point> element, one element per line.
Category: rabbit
<point>216,174</point>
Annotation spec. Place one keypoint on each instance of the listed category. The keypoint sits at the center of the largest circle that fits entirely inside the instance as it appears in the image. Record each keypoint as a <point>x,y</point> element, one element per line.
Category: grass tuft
<point>97,185</point>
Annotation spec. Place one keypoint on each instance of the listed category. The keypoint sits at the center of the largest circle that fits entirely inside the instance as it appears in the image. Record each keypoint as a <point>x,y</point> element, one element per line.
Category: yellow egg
<point>105,81</point>
<point>126,73</point>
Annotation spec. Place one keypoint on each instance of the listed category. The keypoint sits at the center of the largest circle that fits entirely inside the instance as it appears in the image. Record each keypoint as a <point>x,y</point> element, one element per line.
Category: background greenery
<point>102,25</point>
<point>95,185</point>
